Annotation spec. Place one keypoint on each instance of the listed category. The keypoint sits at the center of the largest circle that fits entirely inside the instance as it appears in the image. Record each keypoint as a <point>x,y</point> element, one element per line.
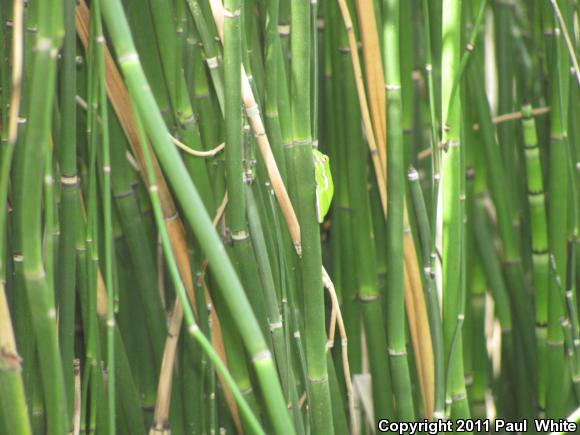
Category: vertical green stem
<point>107,220</point>
<point>557,214</point>
<point>395,203</point>
<point>35,147</point>
<point>541,267</point>
<point>452,206</point>
<point>302,171</point>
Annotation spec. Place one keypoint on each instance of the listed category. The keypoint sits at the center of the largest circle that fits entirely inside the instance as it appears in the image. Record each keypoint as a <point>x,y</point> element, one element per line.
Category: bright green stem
<point>453,198</point>
<point>539,233</point>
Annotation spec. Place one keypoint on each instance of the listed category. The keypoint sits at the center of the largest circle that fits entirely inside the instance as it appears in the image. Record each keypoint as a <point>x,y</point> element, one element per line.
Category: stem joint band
<point>232,14</point>
<point>396,353</point>
<point>264,355</point>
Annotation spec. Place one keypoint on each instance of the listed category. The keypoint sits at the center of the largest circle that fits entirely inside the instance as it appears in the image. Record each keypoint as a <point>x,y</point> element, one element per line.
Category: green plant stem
<point>557,217</point>
<point>433,305</point>
<point>236,215</point>
<point>504,49</point>
<point>521,305</point>
<point>195,214</point>
<point>36,145</point>
<point>187,126</point>
<point>541,268</point>
<point>452,207</point>
<point>275,324</point>
<point>301,172</point>
<point>351,163</point>
<point>236,218</point>
<point>193,328</point>
<point>107,220</point>
<point>395,204</point>
<point>301,169</point>
<point>211,50</point>
<point>66,149</point>
<point>432,105</point>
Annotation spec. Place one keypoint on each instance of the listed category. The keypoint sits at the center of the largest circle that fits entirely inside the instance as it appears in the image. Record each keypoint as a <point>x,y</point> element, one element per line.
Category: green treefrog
<point>324,184</point>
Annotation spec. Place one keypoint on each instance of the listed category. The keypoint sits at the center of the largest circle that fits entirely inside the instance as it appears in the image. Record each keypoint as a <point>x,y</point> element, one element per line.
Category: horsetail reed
<point>288,216</point>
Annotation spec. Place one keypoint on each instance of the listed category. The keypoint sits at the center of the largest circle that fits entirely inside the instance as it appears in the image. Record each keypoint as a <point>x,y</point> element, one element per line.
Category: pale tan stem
<point>332,325</point>
<point>375,78</point>
<point>220,211</point>
<point>17,56</point>
<point>217,10</point>
<point>518,115</point>
<point>329,285</point>
<point>77,399</point>
<point>9,358</point>
<point>418,322</point>
<point>377,159</point>
<point>414,298</point>
<point>513,116</point>
<point>302,400</point>
<point>163,399</point>
<point>568,40</point>
<point>278,186</point>
<point>161,274</point>
<point>219,214</point>
<point>196,153</point>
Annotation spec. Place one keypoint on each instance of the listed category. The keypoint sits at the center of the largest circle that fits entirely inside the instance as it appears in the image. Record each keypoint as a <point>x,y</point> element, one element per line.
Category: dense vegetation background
<point>162,267</point>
